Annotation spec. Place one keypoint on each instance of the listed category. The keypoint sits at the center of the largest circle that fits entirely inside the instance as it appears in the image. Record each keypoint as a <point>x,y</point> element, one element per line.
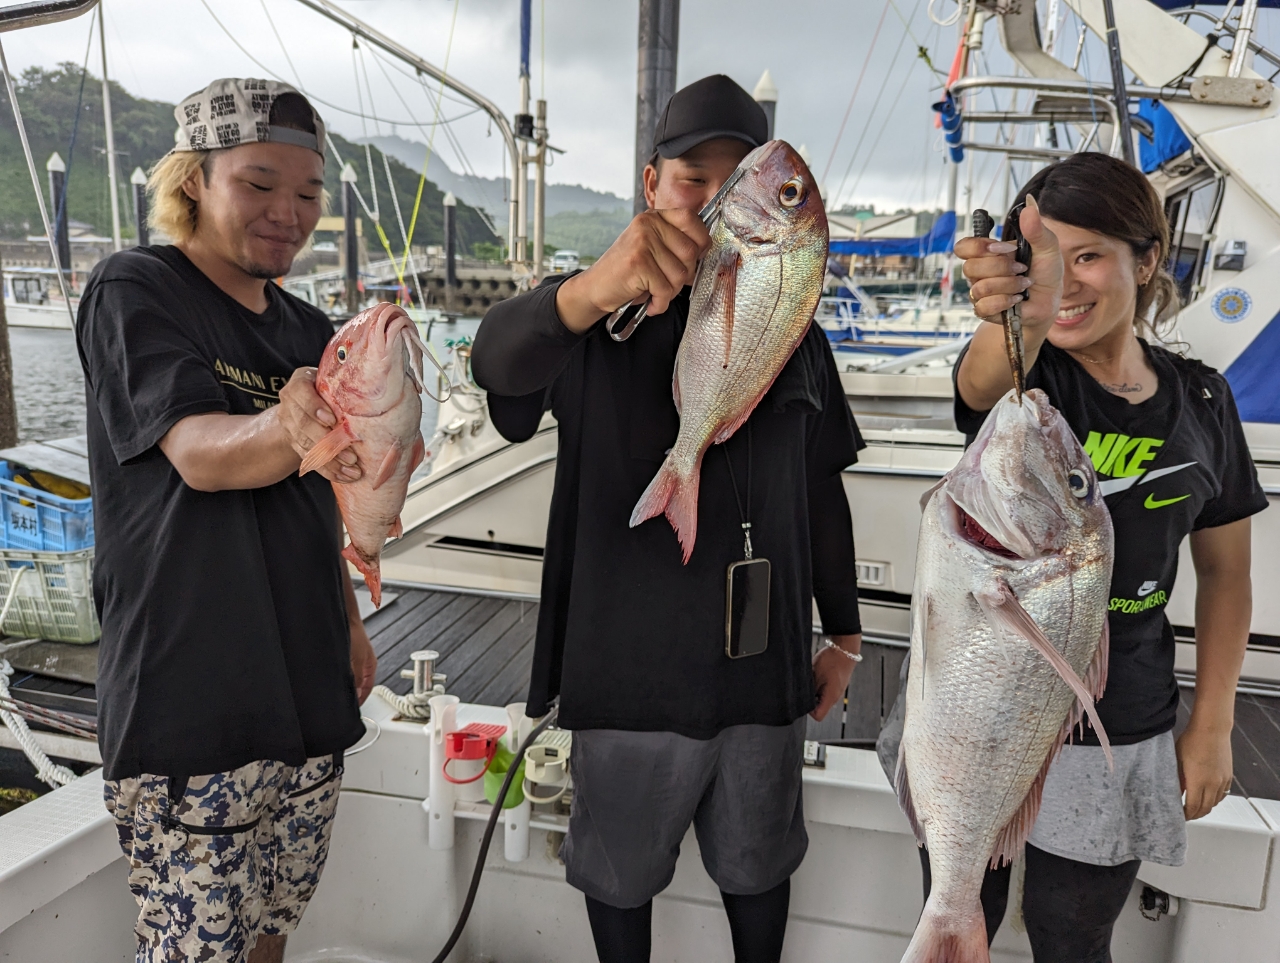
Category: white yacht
<point>463,580</point>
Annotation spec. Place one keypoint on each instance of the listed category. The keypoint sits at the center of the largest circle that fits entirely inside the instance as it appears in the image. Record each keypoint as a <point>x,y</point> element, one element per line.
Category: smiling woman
<point>1165,441</point>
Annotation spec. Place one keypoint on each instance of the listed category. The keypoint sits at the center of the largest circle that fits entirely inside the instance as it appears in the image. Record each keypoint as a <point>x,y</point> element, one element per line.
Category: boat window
<point>1191,213</point>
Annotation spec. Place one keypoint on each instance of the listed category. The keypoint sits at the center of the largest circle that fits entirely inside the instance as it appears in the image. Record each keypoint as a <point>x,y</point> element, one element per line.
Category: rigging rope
<point>856,87</point>
<point>422,179</point>
<point>468,169</point>
<point>271,73</point>
<point>879,98</point>
<point>35,178</point>
<point>283,49</point>
<point>75,130</point>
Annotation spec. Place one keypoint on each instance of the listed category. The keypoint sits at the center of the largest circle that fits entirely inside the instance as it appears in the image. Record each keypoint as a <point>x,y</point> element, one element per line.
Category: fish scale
<point>752,302</point>
<point>986,709</point>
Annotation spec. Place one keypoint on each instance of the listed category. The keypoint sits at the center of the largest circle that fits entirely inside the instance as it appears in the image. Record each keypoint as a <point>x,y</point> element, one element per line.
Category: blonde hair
<point>171,211</point>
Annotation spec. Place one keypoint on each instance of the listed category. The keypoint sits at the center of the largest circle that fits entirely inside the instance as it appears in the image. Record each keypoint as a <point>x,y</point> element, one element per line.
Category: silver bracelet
<point>851,656</point>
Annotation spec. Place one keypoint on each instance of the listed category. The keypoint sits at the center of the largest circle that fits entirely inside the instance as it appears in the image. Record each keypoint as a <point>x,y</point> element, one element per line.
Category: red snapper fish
<point>370,376</point>
<point>752,301</point>
<point>1009,650</point>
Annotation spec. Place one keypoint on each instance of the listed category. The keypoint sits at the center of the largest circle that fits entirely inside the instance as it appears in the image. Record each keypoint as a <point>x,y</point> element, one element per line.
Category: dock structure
<point>480,284</point>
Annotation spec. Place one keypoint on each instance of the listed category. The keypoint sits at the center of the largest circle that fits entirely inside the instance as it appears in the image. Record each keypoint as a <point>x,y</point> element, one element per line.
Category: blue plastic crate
<point>41,521</point>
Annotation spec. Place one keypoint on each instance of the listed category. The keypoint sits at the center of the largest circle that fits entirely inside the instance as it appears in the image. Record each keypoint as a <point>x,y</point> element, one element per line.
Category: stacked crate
<point>46,547</point>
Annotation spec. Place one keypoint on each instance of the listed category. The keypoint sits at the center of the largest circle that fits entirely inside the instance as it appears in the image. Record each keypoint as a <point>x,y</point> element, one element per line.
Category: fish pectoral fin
<point>418,454</point>
<point>328,448</point>
<point>724,291</point>
<point>389,464</point>
<point>1004,611</point>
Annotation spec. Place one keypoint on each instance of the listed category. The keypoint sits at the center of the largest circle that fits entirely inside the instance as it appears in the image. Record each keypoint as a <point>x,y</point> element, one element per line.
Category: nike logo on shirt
<point>1153,502</point>
<point>1113,485</point>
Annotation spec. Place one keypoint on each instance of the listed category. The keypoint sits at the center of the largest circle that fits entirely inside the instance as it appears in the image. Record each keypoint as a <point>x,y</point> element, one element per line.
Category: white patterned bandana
<point>235,111</point>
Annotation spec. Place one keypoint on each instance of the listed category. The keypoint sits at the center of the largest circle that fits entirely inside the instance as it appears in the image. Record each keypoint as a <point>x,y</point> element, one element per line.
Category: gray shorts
<point>635,794</point>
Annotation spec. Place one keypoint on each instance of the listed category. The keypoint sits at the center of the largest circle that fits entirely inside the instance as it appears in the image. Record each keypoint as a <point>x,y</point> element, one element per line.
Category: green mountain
<point>48,98</point>
<point>589,233</point>
<point>143,134</point>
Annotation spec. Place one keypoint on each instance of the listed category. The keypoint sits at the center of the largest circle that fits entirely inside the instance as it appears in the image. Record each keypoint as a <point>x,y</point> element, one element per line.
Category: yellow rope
<point>431,139</point>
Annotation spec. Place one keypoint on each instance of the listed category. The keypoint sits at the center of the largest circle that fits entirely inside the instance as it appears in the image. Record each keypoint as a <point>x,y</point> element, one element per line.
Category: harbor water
<point>48,384</point>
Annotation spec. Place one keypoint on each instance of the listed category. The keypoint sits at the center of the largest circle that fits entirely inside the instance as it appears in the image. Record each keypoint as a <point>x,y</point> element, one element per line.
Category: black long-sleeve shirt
<point>628,636</point>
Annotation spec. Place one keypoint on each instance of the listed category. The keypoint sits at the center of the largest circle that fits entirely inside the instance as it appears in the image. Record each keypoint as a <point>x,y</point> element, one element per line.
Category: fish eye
<point>791,193</point>
<point>1078,482</point>
<point>342,353</point>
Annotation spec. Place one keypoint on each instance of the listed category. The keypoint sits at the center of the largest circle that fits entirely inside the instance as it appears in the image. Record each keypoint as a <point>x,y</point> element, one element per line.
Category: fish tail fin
<point>370,569</point>
<point>947,939</point>
<point>675,494</point>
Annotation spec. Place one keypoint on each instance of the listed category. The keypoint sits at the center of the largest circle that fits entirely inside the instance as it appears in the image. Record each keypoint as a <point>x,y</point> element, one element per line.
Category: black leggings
<point>757,923</point>
<point>1069,907</point>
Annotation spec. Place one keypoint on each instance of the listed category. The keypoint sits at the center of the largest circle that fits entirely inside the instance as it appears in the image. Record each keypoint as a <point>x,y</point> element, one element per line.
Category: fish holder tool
<point>983,225</point>
<point>623,322</point>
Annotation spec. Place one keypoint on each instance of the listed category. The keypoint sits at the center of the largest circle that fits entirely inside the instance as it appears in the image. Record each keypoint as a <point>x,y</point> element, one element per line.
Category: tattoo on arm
<point>1123,389</point>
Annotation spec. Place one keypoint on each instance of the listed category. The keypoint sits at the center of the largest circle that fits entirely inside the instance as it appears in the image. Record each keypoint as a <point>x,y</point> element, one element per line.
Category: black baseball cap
<point>712,107</point>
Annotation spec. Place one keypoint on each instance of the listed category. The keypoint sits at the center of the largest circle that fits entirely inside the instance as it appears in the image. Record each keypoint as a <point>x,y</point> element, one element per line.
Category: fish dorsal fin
<point>1004,611</point>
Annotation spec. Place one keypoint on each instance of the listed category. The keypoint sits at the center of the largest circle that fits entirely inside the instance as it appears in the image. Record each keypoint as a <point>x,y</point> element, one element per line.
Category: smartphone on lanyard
<point>746,615</point>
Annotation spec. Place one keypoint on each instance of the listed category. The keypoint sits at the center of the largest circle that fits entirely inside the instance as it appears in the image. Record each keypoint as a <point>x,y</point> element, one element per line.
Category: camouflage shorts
<point>239,855</point>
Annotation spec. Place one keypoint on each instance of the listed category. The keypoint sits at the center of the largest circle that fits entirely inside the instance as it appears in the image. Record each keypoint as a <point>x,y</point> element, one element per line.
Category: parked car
<point>564,261</point>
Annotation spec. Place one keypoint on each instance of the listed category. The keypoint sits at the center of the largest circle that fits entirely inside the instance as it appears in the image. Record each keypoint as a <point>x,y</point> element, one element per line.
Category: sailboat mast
<point>111,136</point>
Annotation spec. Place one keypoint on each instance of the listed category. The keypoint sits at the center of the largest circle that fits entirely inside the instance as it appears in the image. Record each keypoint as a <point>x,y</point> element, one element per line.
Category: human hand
<point>1204,768</point>
<point>306,419</point>
<point>654,257</point>
<point>997,281</point>
<point>832,672</point>
<point>364,662</point>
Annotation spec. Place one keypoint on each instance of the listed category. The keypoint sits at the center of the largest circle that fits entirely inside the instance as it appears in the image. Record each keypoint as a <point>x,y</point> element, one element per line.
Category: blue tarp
<point>1252,376</point>
<point>938,241</point>
<point>1168,141</point>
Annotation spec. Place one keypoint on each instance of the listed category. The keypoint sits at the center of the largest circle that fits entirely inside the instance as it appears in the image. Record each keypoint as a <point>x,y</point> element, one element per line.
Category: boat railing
<point>1186,13</point>
<point>19,15</point>
<point>1080,102</point>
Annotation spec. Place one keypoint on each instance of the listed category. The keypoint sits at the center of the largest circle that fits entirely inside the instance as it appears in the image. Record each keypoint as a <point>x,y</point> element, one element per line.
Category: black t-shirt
<point>1173,464</point>
<point>628,636</point>
<point>224,628</point>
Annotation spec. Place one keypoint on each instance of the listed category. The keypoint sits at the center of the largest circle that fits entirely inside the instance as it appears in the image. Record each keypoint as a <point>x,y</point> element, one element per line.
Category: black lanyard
<point>742,515</point>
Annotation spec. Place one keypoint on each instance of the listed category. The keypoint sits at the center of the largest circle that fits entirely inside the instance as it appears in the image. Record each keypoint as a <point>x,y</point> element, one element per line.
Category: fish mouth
<point>976,535</point>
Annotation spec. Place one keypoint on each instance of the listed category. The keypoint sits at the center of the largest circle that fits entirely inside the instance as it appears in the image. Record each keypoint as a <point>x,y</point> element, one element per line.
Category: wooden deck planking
<point>425,634</point>
<point>477,681</point>
<point>459,663</point>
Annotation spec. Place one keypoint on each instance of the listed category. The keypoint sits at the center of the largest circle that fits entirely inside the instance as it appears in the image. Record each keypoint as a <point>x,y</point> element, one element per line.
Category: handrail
<point>1070,87</point>
<point>358,27</point>
<point>1230,31</point>
<point>21,15</point>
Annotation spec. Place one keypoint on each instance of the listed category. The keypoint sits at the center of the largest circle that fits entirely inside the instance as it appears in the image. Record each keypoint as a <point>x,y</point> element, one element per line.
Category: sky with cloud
<point>885,151</point>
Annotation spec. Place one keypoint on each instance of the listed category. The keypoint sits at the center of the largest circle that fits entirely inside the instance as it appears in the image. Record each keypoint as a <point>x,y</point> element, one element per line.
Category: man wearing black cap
<point>668,729</point>
<point>233,658</point>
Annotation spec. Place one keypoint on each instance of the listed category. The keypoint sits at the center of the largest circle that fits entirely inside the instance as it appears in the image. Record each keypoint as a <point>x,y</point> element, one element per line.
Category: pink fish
<point>752,302</point>
<point>371,378</point>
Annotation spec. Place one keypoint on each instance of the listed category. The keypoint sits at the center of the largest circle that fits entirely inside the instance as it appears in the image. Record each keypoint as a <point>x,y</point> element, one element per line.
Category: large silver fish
<point>752,302</point>
<point>1010,611</point>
